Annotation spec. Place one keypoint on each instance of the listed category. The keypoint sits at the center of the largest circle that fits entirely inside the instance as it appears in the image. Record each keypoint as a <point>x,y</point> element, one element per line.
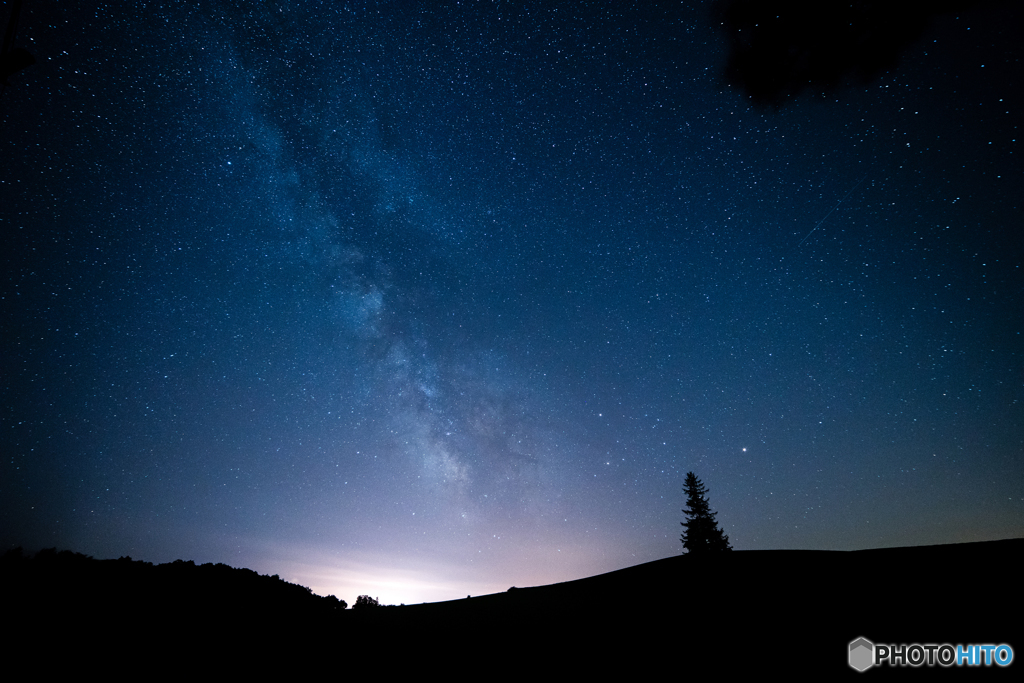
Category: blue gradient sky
<point>424,302</point>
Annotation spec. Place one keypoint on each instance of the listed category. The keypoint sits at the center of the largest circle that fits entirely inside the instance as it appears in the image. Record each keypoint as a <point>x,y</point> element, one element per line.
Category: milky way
<point>421,302</point>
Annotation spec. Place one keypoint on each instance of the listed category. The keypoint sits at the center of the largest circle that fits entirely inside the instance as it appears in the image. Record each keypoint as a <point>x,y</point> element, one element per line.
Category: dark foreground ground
<point>749,612</point>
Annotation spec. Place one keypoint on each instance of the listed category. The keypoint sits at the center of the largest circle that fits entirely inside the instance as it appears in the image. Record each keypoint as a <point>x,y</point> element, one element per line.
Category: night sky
<point>422,302</point>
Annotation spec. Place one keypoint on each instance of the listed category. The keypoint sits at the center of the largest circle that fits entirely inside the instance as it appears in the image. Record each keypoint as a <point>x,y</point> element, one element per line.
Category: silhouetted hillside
<point>69,581</point>
<point>70,608</point>
<point>752,611</point>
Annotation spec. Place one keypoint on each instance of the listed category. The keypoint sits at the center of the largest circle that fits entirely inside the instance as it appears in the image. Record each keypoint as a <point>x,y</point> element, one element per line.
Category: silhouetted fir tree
<point>702,534</point>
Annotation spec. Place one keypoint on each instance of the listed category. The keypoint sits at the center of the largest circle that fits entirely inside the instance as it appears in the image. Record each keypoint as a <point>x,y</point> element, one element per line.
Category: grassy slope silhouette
<point>752,611</point>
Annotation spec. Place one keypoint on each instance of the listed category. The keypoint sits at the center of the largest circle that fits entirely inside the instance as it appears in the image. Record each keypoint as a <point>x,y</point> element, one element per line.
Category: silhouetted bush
<point>365,601</point>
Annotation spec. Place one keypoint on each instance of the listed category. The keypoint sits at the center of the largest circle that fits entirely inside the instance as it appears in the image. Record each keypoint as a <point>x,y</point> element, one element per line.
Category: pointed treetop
<point>702,533</point>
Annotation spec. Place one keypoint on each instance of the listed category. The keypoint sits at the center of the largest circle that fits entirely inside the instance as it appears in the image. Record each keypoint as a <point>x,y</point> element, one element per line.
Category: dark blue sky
<point>419,302</point>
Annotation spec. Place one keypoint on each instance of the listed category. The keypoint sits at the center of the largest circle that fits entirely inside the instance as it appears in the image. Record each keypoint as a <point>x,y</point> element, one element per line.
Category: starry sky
<point>422,300</point>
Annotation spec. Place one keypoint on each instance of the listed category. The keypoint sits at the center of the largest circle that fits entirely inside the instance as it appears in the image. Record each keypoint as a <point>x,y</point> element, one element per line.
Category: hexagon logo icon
<point>862,654</point>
